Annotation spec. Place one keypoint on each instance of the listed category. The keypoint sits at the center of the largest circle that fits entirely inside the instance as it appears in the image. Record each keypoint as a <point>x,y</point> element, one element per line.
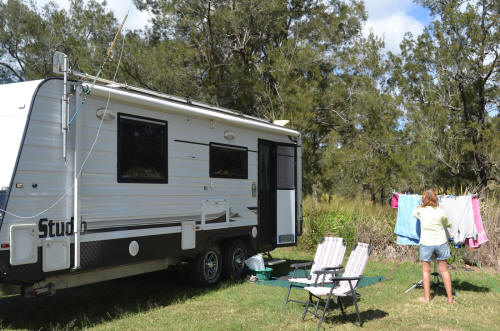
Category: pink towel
<point>481,235</point>
<point>394,201</point>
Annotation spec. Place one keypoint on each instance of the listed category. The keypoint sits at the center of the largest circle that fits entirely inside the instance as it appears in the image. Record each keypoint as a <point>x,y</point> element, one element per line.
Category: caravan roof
<point>194,108</point>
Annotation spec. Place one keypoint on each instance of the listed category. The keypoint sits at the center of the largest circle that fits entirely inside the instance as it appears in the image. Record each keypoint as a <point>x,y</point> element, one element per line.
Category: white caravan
<point>136,182</point>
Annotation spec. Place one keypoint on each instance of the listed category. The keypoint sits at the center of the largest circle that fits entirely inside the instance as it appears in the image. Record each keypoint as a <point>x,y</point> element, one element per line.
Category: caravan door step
<point>274,262</point>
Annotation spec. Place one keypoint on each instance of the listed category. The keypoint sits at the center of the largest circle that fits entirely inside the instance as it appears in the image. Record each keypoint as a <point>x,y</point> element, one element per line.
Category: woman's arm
<point>446,223</point>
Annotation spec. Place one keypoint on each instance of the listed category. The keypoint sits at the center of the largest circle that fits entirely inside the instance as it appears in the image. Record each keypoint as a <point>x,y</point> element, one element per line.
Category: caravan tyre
<point>234,260</point>
<point>208,266</point>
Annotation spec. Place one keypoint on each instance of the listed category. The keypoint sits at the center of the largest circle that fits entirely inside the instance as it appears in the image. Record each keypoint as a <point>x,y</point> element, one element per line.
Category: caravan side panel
<point>125,222</point>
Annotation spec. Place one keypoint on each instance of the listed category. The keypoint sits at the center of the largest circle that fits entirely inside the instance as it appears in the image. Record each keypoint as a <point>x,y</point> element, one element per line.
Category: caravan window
<point>227,161</point>
<point>286,167</point>
<point>142,150</point>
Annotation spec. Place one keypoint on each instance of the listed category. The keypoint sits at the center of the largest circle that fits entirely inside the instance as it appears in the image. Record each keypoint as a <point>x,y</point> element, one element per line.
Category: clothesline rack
<point>439,195</point>
<point>435,280</point>
<point>435,276</point>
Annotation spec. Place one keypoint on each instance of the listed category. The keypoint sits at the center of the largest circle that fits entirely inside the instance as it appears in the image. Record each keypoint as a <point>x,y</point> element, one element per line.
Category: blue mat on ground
<point>283,280</point>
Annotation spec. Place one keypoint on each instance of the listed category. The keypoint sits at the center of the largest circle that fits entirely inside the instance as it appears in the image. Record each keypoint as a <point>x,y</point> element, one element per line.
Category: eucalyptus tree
<point>451,90</point>
<point>30,36</point>
<point>363,155</point>
<point>270,58</point>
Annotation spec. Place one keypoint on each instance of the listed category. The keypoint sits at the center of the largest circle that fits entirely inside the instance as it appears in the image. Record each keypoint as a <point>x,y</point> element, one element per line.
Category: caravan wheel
<point>208,266</point>
<point>234,260</point>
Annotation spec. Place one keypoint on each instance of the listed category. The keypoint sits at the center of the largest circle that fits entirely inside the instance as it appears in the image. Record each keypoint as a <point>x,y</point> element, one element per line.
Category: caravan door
<point>286,192</point>
<point>277,194</point>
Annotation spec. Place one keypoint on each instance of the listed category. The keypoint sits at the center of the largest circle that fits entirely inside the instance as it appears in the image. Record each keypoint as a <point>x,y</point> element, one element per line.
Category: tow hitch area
<point>30,292</point>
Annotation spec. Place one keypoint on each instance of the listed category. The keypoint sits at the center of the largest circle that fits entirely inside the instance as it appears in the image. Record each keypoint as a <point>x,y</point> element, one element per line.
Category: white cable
<point>86,158</point>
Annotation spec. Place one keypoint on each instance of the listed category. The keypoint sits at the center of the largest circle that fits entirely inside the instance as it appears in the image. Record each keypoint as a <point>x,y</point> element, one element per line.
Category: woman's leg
<point>443,269</point>
<point>426,278</point>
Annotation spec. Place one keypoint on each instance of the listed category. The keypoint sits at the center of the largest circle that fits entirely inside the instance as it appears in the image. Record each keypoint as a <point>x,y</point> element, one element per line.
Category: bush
<point>323,222</point>
<point>353,220</point>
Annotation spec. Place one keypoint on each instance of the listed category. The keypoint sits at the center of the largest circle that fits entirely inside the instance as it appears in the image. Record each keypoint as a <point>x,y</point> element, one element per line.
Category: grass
<point>166,300</point>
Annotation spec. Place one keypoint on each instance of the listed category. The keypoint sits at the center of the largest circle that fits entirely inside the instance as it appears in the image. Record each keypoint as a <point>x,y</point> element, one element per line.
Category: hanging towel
<point>394,201</point>
<point>461,216</point>
<point>407,226</point>
<point>402,240</point>
<point>481,235</point>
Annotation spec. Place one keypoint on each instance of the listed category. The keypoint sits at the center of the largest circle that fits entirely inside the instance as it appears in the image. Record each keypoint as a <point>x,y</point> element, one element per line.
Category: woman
<point>433,241</point>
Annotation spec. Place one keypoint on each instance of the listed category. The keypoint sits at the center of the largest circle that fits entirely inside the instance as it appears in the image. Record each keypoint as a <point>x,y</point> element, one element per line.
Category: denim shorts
<point>441,252</point>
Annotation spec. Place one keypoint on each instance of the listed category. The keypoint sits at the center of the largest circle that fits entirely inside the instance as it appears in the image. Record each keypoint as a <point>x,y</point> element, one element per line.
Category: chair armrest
<point>301,265</point>
<point>324,272</point>
<point>347,278</point>
<point>337,268</point>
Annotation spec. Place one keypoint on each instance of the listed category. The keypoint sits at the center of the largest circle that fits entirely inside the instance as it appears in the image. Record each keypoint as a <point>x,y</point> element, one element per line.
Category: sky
<point>388,19</point>
<point>391,19</point>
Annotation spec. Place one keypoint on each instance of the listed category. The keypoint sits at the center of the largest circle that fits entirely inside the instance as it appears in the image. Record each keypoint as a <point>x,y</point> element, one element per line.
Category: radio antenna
<point>108,54</point>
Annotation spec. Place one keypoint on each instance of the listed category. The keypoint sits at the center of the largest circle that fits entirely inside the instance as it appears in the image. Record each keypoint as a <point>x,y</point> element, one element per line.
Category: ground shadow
<point>335,316</point>
<point>91,305</point>
<point>460,285</point>
<point>283,269</point>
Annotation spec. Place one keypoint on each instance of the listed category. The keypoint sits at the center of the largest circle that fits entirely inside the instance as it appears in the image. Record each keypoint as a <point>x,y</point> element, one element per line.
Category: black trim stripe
<point>125,228</point>
<point>108,226</point>
<point>190,142</point>
<point>203,144</point>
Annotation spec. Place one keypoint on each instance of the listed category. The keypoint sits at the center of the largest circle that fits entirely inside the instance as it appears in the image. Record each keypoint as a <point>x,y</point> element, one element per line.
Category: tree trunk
<point>315,193</point>
<point>372,193</point>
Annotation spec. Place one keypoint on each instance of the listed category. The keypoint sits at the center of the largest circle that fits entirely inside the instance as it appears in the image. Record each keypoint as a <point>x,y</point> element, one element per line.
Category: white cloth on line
<point>461,216</point>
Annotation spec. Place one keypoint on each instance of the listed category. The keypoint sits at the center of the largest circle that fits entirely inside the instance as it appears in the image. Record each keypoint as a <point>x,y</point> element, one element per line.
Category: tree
<point>30,37</point>
<point>450,86</point>
<point>364,154</point>
<point>270,58</point>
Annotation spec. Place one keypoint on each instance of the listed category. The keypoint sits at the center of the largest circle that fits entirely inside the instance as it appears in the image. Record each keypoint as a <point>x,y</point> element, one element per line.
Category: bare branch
<point>6,65</point>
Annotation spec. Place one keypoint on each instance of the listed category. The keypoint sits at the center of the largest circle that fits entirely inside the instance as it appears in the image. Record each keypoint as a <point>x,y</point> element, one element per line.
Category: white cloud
<point>135,20</point>
<point>390,20</point>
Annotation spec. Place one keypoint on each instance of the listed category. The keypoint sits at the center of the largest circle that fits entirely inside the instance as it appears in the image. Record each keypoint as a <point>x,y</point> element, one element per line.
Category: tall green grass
<point>353,220</point>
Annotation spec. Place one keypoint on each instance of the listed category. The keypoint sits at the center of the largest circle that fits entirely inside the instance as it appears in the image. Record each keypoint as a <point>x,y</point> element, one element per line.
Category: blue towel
<point>407,241</point>
<point>407,227</point>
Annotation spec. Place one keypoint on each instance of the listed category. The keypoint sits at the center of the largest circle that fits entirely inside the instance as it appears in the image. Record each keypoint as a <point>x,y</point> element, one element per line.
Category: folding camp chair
<point>348,284</point>
<point>330,253</point>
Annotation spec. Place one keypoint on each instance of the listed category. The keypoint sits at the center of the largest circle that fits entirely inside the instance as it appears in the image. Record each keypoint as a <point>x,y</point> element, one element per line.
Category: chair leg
<point>341,308</point>
<point>316,307</point>
<point>327,302</point>
<point>288,295</point>
<point>307,307</point>
<point>356,305</point>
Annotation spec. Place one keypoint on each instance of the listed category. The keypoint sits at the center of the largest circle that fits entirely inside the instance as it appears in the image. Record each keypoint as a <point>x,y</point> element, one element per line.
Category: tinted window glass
<point>142,150</point>
<point>286,167</point>
<point>3,199</point>
<point>228,161</point>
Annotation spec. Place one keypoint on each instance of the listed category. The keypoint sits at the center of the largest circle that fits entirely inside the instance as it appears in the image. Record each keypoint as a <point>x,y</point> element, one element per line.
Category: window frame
<point>118,135</point>
<point>227,146</point>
